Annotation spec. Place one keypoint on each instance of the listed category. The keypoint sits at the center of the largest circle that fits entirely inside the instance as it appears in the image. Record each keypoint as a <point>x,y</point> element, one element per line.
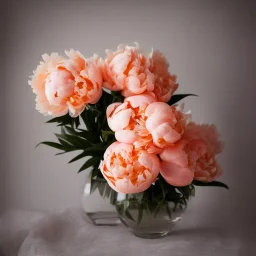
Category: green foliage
<point>210,184</point>
<point>65,120</point>
<point>156,197</point>
<point>177,97</point>
<point>91,141</point>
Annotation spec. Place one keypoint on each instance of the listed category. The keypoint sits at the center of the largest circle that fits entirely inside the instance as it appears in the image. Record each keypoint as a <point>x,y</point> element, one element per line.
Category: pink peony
<point>127,120</point>
<point>126,70</point>
<point>208,133</point>
<point>147,124</point>
<point>165,123</point>
<point>65,85</point>
<point>164,83</point>
<point>193,157</point>
<point>127,170</point>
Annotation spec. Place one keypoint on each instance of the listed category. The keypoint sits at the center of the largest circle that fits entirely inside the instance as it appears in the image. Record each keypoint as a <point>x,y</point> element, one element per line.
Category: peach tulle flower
<point>66,84</point>
<point>127,170</point>
<point>126,70</point>
<point>164,83</point>
<point>193,157</point>
<point>165,123</point>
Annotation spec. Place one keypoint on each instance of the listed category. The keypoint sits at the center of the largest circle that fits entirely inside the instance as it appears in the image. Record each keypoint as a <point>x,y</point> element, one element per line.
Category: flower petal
<point>176,175</point>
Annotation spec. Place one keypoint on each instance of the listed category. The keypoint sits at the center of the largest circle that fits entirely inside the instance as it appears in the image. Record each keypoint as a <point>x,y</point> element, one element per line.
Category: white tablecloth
<point>67,233</point>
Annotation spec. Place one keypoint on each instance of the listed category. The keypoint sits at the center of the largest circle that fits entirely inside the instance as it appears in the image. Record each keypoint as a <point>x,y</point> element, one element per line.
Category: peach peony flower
<point>165,123</point>
<point>126,70</point>
<point>208,133</point>
<point>65,85</point>
<point>147,124</point>
<point>127,120</point>
<point>127,170</point>
<point>164,83</point>
<point>196,153</point>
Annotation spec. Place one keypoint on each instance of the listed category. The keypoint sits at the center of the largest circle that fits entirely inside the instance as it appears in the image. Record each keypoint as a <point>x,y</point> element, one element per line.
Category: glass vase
<point>154,212</point>
<point>147,223</point>
<point>96,203</point>
<point>150,214</point>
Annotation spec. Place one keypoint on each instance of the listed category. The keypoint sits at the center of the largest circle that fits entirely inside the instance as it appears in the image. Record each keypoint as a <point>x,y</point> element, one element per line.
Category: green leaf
<point>164,191</point>
<point>75,141</point>
<point>138,196</point>
<point>140,212</point>
<point>113,196</point>
<point>177,97</point>
<point>51,144</point>
<point>83,154</point>
<point>175,207</point>
<point>185,191</point>
<point>89,163</point>
<point>183,201</point>
<point>106,134</point>
<point>101,188</point>
<point>59,119</point>
<point>169,212</point>
<point>94,185</point>
<point>75,122</point>
<point>158,208</point>
<point>97,148</point>
<point>193,191</point>
<point>61,153</point>
<point>64,120</point>
<point>92,137</point>
<point>128,215</point>
<point>63,142</point>
<point>120,209</point>
<point>88,119</point>
<point>54,120</point>
<point>95,172</point>
<point>210,184</point>
<point>107,191</point>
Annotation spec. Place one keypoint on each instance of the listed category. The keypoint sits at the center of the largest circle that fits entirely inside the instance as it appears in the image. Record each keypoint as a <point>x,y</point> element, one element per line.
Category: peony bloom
<point>193,157</point>
<point>127,70</point>
<point>164,83</point>
<point>127,170</point>
<point>127,120</point>
<point>208,133</point>
<point>147,124</point>
<point>165,123</point>
<point>65,85</point>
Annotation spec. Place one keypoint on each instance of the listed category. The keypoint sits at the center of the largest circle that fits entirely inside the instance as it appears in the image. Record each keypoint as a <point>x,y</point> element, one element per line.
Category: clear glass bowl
<point>149,223</point>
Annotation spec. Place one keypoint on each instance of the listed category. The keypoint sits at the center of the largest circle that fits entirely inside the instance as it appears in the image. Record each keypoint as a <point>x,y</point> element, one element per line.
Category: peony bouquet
<point>121,113</point>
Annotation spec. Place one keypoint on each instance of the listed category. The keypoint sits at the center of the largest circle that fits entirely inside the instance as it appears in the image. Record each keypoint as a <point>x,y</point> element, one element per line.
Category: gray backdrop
<point>210,46</point>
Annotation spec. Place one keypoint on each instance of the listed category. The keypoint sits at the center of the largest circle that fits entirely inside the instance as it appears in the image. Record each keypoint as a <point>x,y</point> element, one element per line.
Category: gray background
<point>210,46</point>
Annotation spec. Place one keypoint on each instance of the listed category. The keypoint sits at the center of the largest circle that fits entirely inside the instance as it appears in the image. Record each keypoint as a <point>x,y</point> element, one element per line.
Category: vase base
<point>104,218</point>
<point>151,235</point>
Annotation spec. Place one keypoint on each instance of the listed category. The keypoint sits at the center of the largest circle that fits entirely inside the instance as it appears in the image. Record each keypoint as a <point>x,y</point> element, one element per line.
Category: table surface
<point>68,234</point>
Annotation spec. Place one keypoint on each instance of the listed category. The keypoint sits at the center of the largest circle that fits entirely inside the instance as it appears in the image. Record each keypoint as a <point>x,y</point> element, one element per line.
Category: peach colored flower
<point>164,83</point>
<point>127,120</point>
<point>147,124</point>
<point>208,133</point>
<point>66,84</point>
<point>196,152</point>
<point>127,170</point>
<point>174,166</point>
<point>126,70</point>
<point>165,123</point>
